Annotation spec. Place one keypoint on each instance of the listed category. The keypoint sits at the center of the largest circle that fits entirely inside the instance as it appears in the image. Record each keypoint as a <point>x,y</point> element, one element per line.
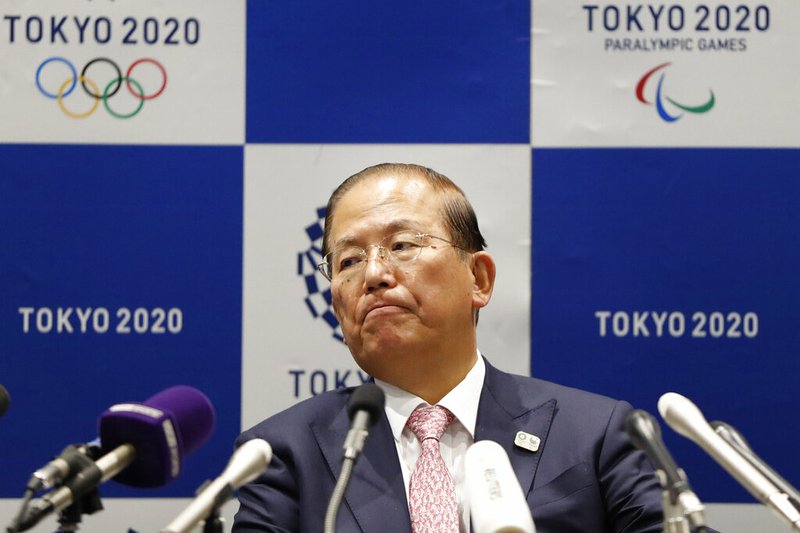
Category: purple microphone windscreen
<point>163,430</point>
<point>5,399</point>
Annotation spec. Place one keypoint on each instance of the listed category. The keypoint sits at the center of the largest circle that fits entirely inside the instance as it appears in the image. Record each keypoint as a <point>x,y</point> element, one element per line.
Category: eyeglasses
<point>404,246</point>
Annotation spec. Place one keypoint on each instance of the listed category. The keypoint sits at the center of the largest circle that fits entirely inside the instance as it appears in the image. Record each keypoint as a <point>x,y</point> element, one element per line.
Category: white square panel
<point>288,355</point>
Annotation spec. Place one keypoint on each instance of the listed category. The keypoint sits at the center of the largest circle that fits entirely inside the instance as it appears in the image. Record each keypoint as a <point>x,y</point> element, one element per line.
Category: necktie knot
<point>429,422</point>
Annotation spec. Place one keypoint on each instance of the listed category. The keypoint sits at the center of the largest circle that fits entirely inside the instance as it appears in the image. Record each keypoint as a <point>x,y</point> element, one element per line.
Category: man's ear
<point>483,272</point>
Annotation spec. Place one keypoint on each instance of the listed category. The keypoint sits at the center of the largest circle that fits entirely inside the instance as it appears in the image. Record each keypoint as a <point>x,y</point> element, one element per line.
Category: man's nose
<point>375,251</point>
<point>378,271</point>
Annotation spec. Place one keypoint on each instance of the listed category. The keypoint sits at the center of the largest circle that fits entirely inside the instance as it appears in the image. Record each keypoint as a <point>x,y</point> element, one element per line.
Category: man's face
<point>397,318</point>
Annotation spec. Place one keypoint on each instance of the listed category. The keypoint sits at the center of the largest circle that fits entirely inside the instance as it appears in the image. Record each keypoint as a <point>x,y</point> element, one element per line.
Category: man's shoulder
<point>534,390</point>
<point>572,393</point>
<point>322,408</point>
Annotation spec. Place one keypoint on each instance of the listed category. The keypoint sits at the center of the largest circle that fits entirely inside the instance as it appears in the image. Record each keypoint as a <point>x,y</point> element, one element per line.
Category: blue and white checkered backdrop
<point>632,164</point>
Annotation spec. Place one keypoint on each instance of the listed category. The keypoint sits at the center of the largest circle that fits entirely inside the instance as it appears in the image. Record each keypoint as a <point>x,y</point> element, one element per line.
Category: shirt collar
<point>462,400</point>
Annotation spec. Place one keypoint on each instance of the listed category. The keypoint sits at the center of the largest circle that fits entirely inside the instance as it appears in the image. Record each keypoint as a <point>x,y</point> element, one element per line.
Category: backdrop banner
<point>165,167</point>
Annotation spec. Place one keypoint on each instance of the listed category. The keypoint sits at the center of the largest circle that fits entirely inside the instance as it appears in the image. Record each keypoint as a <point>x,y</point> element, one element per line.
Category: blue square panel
<point>409,72</point>
<point>658,270</point>
<point>120,276</point>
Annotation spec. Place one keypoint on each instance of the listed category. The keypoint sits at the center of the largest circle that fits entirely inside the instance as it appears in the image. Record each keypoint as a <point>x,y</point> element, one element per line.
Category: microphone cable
<point>23,509</point>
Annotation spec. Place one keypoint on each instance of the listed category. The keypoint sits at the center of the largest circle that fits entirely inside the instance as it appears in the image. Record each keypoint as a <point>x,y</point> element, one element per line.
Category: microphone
<point>738,443</point>
<point>5,399</point>
<point>364,409</point>
<point>685,418</point>
<point>679,499</point>
<point>72,459</point>
<point>163,429</point>
<point>81,484</point>
<point>246,464</point>
<point>496,501</point>
<point>144,443</point>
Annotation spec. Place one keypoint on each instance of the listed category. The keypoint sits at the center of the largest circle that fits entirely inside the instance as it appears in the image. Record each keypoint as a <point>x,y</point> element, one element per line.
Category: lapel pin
<point>526,441</point>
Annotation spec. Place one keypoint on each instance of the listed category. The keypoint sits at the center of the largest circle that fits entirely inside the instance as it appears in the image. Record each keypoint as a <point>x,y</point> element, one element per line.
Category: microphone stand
<point>364,407</point>
<point>214,522</point>
<point>674,521</point>
<point>69,518</point>
<point>737,442</point>
<point>89,502</point>
<point>338,494</point>
<point>677,507</point>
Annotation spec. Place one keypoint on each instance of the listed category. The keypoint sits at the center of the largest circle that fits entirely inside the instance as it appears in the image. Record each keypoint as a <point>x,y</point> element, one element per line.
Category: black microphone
<point>364,409</point>
<point>5,399</point>
<point>645,433</point>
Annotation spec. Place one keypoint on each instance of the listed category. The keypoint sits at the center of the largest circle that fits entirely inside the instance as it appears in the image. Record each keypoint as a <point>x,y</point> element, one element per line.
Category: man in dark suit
<point>408,274</point>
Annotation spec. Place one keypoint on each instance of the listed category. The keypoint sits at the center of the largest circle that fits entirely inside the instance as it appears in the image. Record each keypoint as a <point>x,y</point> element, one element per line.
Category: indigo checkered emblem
<point>318,291</point>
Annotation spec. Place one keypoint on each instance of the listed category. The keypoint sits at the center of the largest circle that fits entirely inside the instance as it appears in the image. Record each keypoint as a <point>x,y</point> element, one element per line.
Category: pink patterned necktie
<point>432,496</point>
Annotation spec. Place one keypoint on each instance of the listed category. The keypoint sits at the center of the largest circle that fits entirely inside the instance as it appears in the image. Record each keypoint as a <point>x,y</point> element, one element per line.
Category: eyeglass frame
<point>383,253</point>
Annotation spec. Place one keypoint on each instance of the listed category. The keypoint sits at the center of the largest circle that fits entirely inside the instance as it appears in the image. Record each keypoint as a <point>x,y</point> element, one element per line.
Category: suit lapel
<point>376,494</point>
<point>504,410</point>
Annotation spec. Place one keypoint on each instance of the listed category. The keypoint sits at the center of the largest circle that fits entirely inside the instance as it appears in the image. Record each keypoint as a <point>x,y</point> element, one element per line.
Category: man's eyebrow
<point>344,241</point>
<point>392,227</point>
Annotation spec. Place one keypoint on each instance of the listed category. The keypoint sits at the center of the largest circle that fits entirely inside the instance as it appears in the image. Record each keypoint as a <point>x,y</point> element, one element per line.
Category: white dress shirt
<point>462,401</point>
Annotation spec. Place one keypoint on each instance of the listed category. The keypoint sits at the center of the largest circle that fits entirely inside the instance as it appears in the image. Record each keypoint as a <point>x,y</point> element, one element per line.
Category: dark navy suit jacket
<point>586,476</point>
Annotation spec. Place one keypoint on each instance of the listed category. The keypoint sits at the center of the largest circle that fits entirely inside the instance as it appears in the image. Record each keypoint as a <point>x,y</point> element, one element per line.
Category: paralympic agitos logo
<point>101,80</point>
<point>668,109</point>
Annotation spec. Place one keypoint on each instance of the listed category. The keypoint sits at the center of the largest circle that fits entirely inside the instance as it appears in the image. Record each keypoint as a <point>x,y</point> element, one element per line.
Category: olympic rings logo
<point>110,89</point>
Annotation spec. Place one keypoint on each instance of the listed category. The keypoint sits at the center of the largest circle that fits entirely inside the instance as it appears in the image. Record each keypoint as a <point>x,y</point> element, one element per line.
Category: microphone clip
<point>74,461</point>
<point>83,484</point>
<point>70,517</point>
